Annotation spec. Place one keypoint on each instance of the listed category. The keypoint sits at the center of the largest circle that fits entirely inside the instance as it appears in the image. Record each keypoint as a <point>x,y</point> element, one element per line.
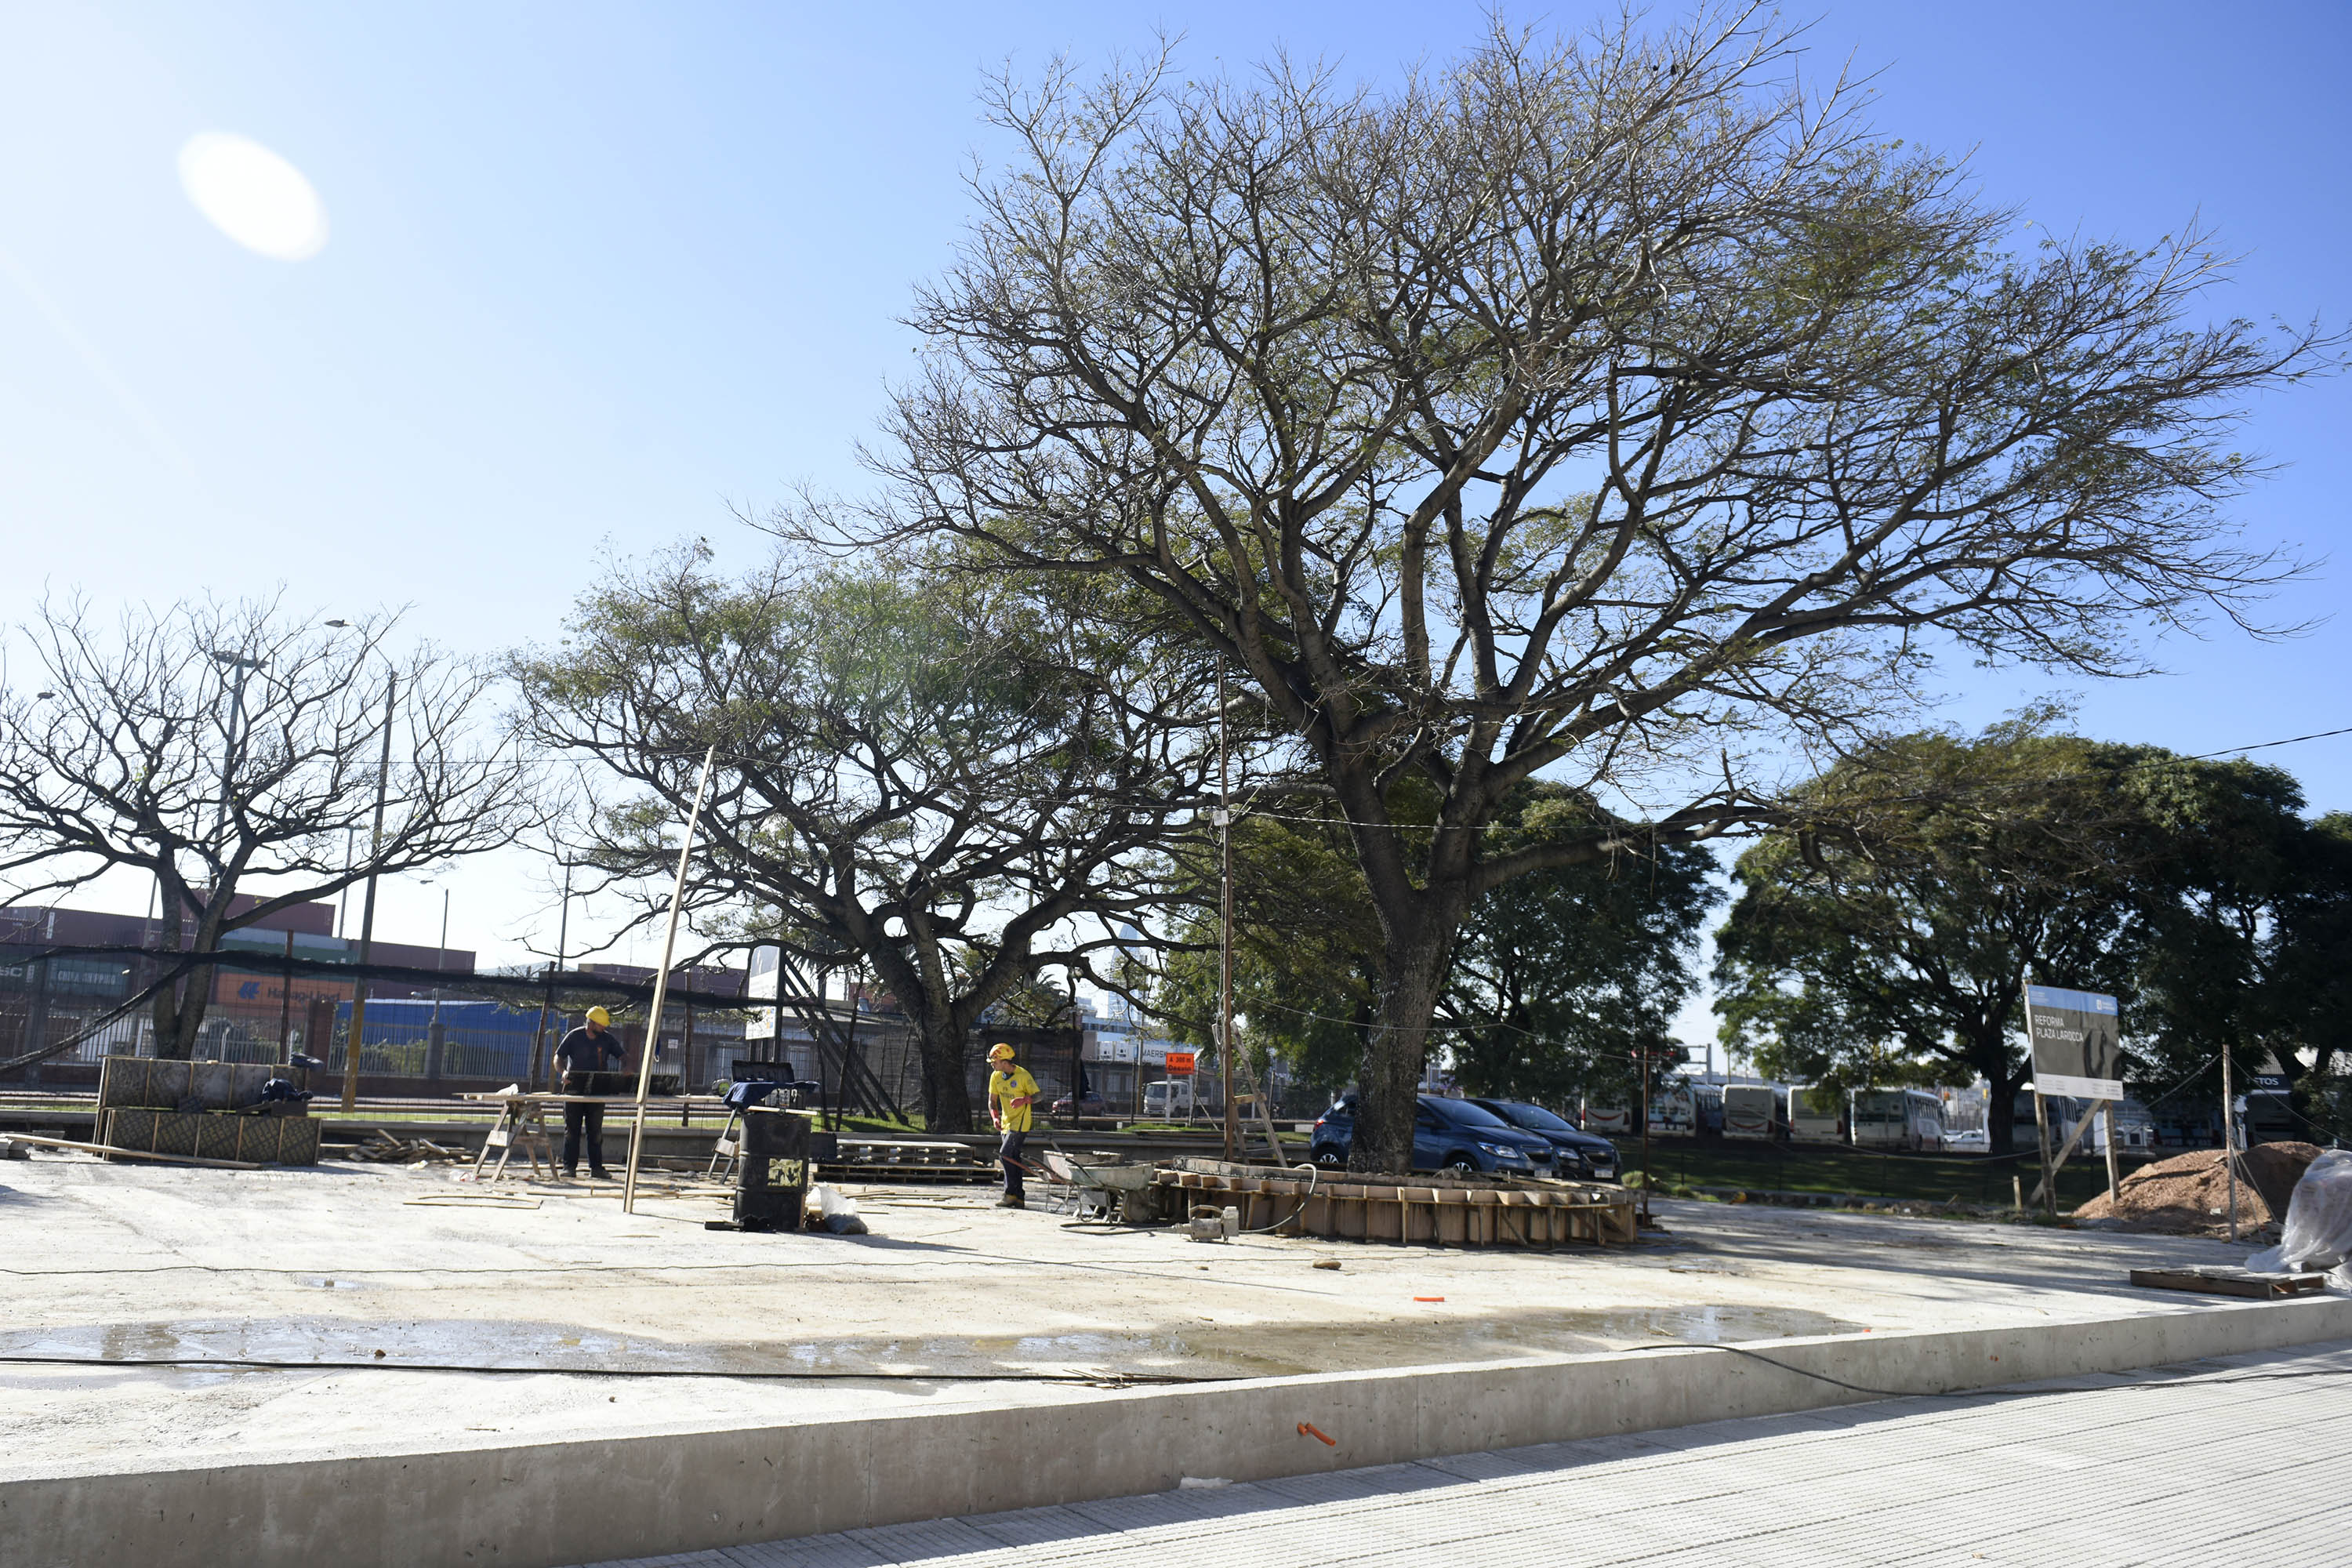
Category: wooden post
<point>661,987</point>
<point>2042,1133</point>
<point>2229,1137</point>
<point>2115,1178</point>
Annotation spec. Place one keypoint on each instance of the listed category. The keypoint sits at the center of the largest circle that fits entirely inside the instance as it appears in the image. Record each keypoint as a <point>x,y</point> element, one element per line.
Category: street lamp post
<point>243,666</point>
<point>1232,1128</point>
<point>367,905</point>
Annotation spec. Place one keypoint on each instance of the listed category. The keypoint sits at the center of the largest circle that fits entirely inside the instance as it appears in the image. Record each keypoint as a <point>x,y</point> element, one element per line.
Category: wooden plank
<point>2216,1282</point>
<point>112,1153</point>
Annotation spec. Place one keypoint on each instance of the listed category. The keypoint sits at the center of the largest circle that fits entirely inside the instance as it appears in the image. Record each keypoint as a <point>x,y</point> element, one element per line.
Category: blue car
<point>1449,1135</point>
<point>1574,1151</point>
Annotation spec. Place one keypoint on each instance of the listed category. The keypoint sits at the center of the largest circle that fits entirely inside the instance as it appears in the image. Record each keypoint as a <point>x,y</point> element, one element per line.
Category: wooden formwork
<point>1437,1210</point>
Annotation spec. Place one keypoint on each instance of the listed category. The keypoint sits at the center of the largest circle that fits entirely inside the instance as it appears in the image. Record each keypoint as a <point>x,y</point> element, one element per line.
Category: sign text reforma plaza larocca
<point>2077,1043</point>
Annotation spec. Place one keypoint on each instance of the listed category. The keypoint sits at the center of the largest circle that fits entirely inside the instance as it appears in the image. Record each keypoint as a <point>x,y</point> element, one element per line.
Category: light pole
<point>562,935</point>
<point>441,954</point>
<point>1225,925</point>
<point>367,905</point>
<point>243,666</point>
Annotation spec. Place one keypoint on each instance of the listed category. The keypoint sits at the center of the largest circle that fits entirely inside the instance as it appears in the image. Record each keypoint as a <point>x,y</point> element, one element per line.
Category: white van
<point>1168,1099</point>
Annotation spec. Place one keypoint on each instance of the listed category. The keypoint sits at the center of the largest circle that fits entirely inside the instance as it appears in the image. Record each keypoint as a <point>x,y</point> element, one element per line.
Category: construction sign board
<point>2077,1043</point>
<point>1180,1063</point>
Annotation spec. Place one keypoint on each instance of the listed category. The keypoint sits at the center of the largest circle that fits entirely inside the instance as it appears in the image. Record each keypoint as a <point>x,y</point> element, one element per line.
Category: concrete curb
<point>544,1505</point>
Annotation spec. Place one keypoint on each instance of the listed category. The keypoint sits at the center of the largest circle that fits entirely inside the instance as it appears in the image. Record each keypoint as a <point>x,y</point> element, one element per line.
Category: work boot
<point>1012,1201</point>
<point>600,1175</point>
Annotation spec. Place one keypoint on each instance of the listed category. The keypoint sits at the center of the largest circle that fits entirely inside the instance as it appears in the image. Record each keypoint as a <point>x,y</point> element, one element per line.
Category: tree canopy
<point>233,752</point>
<point>1618,409</point>
<point>1890,939</point>
<point>950,778</point>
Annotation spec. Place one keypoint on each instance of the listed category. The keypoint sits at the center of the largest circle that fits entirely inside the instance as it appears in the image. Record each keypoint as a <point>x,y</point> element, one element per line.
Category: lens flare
<point>253,196</point>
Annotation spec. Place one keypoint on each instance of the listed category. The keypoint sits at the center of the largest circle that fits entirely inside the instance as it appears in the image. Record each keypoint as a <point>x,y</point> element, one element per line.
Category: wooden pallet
<point>2230,1282</point>
<point>1435,1210</point>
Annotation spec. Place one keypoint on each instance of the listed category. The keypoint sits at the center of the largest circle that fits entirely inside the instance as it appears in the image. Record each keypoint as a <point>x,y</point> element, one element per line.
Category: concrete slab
<point>2254,1486</point>
<point>952,1304</point>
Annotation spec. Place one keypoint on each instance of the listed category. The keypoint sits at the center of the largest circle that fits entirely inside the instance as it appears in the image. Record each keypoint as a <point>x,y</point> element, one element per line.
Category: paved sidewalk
<point>2230,1460</point>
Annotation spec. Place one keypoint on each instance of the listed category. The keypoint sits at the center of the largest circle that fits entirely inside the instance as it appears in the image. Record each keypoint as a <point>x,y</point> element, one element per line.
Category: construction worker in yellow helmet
<point>591,1047</point>
<point>1010,1092</point>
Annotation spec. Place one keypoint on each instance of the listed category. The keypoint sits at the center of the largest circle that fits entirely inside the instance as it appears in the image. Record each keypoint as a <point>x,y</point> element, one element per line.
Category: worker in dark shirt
<point>592,1048</point>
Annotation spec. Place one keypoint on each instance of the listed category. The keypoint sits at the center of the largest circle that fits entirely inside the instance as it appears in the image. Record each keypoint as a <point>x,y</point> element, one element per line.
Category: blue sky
<point>598,273</point>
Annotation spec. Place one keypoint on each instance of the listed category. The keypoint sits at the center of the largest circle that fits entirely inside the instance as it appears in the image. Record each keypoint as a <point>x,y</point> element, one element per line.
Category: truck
<point>1897,1119</point>
<point>1815,1115</point>
<point>1753,1110</point>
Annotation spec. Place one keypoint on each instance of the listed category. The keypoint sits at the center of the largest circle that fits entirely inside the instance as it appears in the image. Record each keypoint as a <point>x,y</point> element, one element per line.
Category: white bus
<point>1815,1116</point>
<point>1608,1118</point>
<point>1897,1119</point>
<point>1753,1110</point>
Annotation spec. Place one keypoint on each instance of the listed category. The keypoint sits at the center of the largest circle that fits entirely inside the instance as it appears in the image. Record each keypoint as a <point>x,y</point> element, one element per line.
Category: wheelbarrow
<point>1100,1189</point>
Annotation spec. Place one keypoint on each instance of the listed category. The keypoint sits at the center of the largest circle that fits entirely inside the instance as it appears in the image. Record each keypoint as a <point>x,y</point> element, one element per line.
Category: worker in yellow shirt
<point>1011,1091</point>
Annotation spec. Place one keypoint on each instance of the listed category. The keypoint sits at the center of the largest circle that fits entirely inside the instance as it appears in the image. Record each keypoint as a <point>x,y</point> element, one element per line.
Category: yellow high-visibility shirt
<point>1009,1095</point>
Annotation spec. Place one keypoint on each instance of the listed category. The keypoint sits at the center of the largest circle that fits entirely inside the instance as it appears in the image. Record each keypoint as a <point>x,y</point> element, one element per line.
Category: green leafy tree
<point>1890,939</point>
<point>2240,939</point>
<point>1558,977</point>
<point>953,779</point>
<point>1563,975</point>
<point>1899,929</point>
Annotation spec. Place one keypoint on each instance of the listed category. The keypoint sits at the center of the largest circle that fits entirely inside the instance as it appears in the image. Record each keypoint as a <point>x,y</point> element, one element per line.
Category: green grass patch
<point>1809,1168</point>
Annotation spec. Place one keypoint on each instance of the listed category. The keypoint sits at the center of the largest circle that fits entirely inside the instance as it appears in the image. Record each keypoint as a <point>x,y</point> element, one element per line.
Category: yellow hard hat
<point>598,1015</point>
<point>1000,1052</point>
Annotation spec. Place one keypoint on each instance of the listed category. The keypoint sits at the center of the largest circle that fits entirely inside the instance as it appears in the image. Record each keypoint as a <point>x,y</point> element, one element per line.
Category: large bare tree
<point>223,750</point>
<point>1618,408</point>
<point>955,781</point>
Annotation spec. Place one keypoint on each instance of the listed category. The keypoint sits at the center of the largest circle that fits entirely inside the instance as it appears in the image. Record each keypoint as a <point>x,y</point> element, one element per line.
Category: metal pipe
<point>661,986</point>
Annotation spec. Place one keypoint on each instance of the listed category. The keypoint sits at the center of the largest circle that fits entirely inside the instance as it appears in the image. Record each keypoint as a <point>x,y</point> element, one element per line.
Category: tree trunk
<point>2000,1114</point>
<point>939,1039</point>
<point>1396,1050</point>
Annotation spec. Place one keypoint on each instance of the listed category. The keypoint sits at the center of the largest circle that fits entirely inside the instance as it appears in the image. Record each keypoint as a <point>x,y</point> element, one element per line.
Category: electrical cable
<point>201,1364</point>
<point>1995,1393</point>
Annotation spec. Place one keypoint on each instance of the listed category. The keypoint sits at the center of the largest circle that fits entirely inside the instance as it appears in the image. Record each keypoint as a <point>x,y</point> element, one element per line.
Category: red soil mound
<point>2189,1193</point>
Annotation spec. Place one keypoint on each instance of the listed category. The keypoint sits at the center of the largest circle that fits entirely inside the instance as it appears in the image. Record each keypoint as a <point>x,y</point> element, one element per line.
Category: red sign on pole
<point>1180,1063</point>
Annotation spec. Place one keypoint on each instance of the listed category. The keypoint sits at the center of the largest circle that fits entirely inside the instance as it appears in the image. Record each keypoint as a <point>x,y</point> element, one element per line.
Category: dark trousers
<point>1010,1152</point>
<point>584,1121</point>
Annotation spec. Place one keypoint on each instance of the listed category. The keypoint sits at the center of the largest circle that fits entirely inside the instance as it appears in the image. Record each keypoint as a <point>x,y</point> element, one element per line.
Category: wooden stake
<point>661,988</point>
<point>2230,1138</point>
<point>2114,1179</point>
<point>2049,1193</point>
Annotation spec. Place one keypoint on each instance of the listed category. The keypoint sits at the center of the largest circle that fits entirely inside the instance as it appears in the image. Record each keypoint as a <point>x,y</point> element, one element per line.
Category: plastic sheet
<point>837,1212</point>
<point>2318,1230</point>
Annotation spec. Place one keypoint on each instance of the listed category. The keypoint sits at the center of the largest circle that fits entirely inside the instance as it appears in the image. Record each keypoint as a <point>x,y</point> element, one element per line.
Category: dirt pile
<point>2190,1194</point>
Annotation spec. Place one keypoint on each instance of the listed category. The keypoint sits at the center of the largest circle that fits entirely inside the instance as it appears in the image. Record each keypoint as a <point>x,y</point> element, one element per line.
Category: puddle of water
<point>1263,1350</point>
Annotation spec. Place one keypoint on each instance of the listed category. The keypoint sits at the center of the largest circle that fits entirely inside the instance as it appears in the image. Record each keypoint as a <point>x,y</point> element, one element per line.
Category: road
<point>2236,1459</point>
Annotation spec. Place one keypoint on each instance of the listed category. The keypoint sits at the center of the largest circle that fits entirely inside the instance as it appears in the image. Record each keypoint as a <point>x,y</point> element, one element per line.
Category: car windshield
<point>1463,1114</point>
<point>1535,1116</point>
